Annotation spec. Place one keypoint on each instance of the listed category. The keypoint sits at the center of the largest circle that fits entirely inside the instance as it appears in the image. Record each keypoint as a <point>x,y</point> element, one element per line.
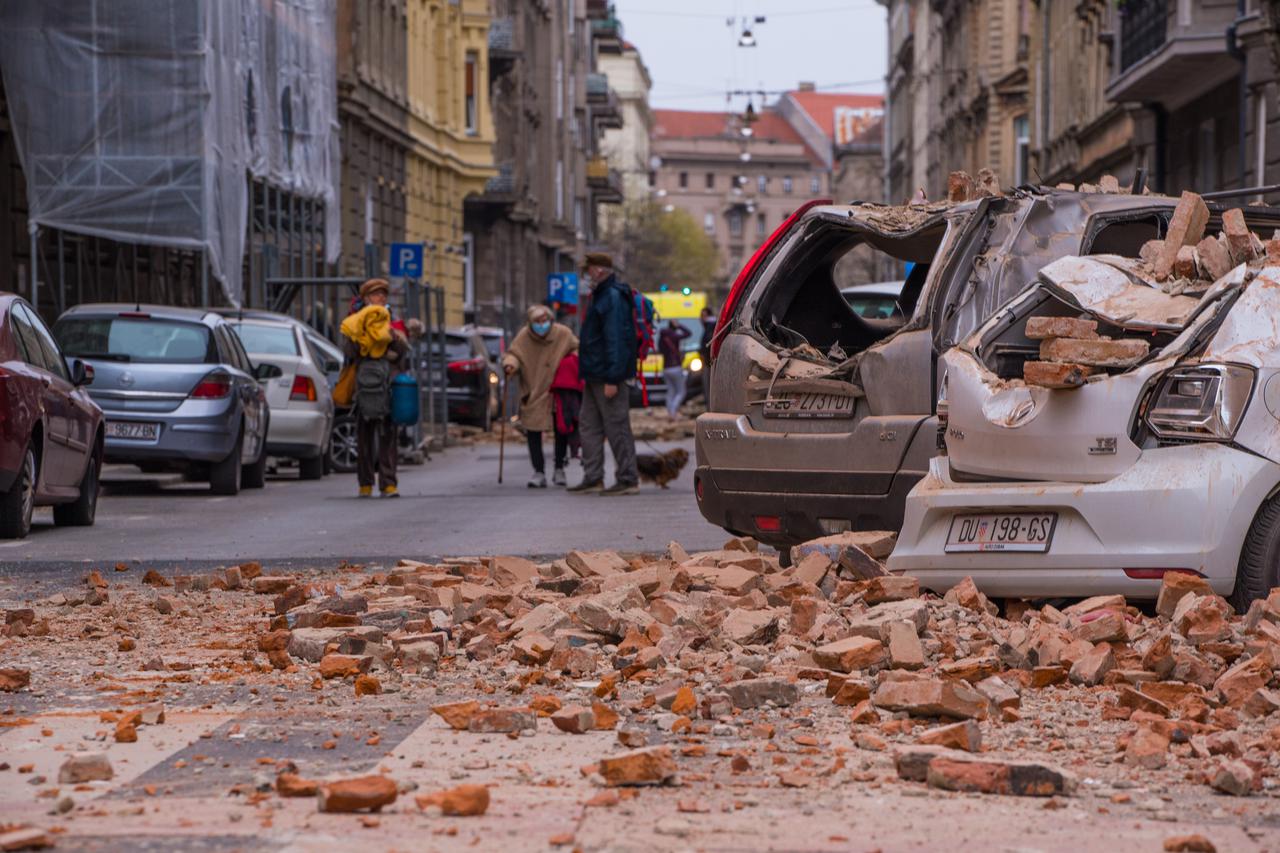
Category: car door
<point>81,413</point>
<point>58,459</point>
<point>253,398</point>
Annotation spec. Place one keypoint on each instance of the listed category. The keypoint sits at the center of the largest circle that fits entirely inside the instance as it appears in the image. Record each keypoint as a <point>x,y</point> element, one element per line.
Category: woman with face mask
<point>532,360</point>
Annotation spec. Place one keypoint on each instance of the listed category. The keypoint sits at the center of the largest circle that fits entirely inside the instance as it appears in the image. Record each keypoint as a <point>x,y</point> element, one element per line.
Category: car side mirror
<point>265,370</point>
<point>81,373</point>
<point>332,366</point>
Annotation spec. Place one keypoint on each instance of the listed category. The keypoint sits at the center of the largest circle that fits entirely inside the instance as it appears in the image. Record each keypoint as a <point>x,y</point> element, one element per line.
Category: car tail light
<point>135,315</point>
<point>214,386</point>
<point>768,523</point>
<point>748,271</point>
<point>470,365</point>
<point>1157,574</point>
<point>303,389</point>
<point>1201,403</point>
<point>697,487</point>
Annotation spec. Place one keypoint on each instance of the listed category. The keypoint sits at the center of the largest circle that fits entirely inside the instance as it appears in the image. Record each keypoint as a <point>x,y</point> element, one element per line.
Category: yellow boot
<point>391,492</point>
<point>366,491</point>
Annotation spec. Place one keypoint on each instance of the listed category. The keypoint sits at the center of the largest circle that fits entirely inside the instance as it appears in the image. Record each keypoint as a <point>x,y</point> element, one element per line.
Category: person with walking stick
<point>532,359</point>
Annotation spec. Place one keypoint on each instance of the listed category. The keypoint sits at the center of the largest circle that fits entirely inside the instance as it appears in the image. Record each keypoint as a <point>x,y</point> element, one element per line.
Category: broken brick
<point>1043,328</point>
<point>365,793</point>
<point>648,766</point>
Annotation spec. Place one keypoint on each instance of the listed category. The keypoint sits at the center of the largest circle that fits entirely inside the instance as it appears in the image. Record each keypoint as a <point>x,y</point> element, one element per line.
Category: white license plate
<point>809,404</point>
<point>1023,531</point>
<point>133,429</point>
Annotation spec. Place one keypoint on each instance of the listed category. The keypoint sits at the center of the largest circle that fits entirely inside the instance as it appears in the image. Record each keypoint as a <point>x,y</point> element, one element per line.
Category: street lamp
<point>746,39</point>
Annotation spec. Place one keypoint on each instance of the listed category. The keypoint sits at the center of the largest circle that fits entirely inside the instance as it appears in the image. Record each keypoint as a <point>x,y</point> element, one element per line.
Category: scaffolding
<point>168,134</point>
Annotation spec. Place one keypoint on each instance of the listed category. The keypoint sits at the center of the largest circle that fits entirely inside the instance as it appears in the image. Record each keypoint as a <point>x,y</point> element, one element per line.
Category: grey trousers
<point>603,419</point>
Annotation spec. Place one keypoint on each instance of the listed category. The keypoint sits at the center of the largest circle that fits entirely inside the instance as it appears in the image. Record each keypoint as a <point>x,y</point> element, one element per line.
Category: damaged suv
<point>1112,423</point>
<point>821,420</point>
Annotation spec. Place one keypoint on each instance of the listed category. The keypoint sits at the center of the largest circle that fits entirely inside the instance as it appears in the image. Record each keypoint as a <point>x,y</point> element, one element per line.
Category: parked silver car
<point>1166,457</point>
<point>177,389</point>
<point>821,420</point>
<point>301,405</point>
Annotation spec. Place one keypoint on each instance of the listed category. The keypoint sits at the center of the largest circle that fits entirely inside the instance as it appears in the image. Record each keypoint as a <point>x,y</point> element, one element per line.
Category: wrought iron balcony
<point>605,183</point>
<point>1144,26</point>
<point>503,51</point>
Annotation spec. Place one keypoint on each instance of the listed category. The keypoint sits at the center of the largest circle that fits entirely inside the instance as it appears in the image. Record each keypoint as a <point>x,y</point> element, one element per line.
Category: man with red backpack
<point>607,350</point>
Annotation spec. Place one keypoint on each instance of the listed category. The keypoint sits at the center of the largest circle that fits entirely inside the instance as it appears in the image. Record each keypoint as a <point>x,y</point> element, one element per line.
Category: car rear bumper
<point>298,433</point>
<point>802,515</point>
<point>197,431</point>
<point>1186,507</point>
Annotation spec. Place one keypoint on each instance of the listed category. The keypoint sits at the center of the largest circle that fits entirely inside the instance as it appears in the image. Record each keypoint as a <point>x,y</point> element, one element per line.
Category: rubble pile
<point>1186,263</point>
<point>704,669</point>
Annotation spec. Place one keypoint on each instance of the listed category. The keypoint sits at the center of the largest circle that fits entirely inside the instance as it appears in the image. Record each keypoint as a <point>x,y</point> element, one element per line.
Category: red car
<point>51,433</point>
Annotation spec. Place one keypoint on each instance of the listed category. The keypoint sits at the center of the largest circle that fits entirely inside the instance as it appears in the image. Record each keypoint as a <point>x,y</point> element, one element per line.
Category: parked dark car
<point>472,379</point>
<point>177,388</point>
<point>51,432</point>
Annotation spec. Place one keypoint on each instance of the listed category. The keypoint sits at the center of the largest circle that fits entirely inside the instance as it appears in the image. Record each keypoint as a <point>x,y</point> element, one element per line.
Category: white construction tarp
<point>141,120</point>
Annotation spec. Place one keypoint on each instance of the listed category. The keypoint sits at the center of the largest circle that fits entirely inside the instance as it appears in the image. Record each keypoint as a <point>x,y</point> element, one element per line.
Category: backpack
<point>373,388</point>
<point>643,315</point>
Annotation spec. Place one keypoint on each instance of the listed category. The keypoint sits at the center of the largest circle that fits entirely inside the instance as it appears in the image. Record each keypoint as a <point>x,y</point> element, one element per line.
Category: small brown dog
<point>662,468</point>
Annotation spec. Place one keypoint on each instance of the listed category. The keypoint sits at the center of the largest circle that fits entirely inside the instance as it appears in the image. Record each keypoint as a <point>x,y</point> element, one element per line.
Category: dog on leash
<point>662,468</point>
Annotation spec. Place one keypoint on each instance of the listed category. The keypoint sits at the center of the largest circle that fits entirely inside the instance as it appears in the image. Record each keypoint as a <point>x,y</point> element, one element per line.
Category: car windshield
<point>135,339</point>
<point>873,306</point>
<point>493,345</point>
<point>263,339</point>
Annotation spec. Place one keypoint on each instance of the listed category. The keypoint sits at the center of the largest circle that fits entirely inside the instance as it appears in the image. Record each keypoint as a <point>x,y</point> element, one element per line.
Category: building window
<point>1021,150</point>
<point>1207,155</point>
<point>684,180</point>
<point>711,180</point>
<point>653,179</point>
<point>468,272</point>
<point>559,93</point>
<point>786,185</point>
<point>560,190</point>
<point>472,108</point>
<point>815,185</point>
<point>579,214</point>
<point>735,224</point>
<point>709,223</point>
<point>762,226</point>
<point>762,183</point>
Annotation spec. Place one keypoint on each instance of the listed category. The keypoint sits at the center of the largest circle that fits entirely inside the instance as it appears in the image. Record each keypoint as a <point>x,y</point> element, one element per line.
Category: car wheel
<point>18,504</point>
<point>1259,568</point>
<point>254,475</point>
<point>342,445</point>
<point>81,511</point>
<point>311,469</point>
<point>224,476</point>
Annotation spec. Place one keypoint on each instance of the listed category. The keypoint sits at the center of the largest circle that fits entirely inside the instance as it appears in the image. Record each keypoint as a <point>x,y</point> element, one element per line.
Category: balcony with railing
<point>602,101</point>
<point>1169,51</point>
<point>605,183</point>
<point>606,29</point>
<point>503,50</point>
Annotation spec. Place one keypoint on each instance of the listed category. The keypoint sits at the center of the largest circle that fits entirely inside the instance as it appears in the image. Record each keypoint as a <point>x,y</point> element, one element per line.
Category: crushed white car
<point>1108,425</point>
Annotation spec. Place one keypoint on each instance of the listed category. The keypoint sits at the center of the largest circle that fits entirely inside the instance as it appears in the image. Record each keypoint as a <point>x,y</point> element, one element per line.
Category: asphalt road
<point>450,506</point>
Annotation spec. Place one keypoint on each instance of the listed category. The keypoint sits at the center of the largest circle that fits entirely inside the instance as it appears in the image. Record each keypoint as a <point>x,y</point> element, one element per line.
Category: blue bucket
<point>404,399</point>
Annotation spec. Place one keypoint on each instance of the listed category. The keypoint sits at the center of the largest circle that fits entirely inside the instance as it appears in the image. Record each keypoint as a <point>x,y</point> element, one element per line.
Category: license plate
<point>809,404</point>
<point>132,429</point>
<point>1024,532</point>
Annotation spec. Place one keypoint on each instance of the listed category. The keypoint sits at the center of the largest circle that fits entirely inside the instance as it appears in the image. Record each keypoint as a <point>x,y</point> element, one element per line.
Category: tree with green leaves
<point>656,246</point>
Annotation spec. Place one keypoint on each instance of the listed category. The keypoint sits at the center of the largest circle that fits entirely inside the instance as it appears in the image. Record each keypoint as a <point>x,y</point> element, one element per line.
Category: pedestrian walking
<point>673,364</point>
<point>378,351</point>
<point>566,405</point>
<point>532,359</point>
<point>607,363</point>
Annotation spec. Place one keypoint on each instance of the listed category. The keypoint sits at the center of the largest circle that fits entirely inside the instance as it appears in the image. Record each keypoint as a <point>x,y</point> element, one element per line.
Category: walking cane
<point>502,426</point>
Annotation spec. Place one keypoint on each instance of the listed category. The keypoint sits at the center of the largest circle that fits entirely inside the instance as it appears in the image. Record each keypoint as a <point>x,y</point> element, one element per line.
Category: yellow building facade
<point>451,127</point>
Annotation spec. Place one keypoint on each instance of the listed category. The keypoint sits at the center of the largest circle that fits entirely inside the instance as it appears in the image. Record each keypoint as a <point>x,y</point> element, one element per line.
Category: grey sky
<point>693,56</point>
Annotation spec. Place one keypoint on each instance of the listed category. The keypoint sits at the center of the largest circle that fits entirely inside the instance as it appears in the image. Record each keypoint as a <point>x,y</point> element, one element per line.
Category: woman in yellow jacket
<point>378,351</point>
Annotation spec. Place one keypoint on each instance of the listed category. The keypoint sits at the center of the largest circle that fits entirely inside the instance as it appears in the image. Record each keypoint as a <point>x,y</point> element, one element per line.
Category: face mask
<point>541,329</point>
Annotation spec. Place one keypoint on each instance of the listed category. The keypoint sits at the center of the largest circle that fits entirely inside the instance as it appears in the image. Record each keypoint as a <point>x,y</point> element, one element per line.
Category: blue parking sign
<point>406,260</point>
<point>562,287</point>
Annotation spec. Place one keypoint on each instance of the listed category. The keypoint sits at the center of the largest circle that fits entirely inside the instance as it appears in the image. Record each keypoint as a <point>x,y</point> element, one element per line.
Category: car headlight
<point>695,365</point>
<point>1203,403</point>
<point>493,379</point>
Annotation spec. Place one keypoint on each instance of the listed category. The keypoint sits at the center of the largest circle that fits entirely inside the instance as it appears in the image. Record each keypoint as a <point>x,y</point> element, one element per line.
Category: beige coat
<point>536,360</point>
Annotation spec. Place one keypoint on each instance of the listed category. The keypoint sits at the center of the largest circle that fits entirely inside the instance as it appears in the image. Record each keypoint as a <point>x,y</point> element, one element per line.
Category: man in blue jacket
<point>607,364</point>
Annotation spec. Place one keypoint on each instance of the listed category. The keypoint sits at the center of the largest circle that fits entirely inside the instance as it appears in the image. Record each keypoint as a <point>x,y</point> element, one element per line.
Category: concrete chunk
<point>1043,328</point>
<point>1048,374</point>
<point>1094,353</point>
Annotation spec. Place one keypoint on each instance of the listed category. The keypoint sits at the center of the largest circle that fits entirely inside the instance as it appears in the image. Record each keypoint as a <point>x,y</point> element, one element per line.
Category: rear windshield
<point>457,348</point>
<point>135,339</point>
<point>260,339</point>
